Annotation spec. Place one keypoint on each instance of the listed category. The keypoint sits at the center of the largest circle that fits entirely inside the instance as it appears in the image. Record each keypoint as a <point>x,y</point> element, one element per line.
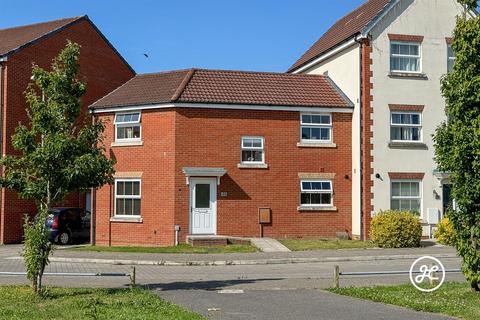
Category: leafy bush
<point>445,234</point>
<point>396,229</point>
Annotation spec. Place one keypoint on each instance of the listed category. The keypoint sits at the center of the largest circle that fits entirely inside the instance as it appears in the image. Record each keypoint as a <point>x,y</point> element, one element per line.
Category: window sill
<point>127,219</point>
<point>408,145</point>
<point>316,145</point>
<point>252,166</point>
<point>127,143</point>
<point>414,75</point>
<point>315,208</point>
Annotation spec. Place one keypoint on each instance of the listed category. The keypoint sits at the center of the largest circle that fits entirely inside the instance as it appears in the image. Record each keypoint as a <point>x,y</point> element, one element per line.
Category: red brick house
<point>102,68</point>
<point>203,150</point>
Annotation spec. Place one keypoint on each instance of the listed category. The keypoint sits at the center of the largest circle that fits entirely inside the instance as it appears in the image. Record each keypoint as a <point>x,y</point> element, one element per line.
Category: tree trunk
<point>40,277</point>
<point>35,285</point>
<point>475,287</point>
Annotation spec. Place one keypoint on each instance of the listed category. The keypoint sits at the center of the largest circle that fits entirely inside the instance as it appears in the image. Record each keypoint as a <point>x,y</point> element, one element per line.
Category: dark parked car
<point>68,224</point>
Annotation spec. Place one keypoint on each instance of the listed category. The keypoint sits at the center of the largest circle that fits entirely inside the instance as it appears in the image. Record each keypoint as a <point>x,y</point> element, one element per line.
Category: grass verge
<point>181,248</point>
<point>453,299</point>
<point>19,303</point>
<point>322,244</point>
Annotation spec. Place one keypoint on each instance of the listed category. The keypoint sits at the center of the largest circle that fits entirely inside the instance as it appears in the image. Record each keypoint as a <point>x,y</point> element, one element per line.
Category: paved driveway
<point>287,305</point>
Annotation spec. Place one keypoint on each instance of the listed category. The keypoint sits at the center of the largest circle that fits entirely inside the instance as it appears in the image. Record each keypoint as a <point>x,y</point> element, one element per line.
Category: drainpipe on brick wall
<point>360,171</point>
<point>2,68</point>
<point>2,101</point>
<point>93,207</point>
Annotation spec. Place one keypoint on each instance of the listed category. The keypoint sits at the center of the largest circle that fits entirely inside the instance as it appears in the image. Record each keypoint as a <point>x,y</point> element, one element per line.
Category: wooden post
<point>132,278</point>
<point>336,277</point>
<point>432,275</point>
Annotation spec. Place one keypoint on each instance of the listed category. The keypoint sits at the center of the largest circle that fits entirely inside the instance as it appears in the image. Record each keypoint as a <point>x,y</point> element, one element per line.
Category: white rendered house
<point>388,56</point>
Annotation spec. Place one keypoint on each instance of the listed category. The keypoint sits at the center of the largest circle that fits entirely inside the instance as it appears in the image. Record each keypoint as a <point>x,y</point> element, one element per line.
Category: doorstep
<point>215,240</point>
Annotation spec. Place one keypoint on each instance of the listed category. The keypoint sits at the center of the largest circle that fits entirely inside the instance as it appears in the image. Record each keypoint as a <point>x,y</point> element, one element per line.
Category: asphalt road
<point>248,277</point>
<point>278,291</point>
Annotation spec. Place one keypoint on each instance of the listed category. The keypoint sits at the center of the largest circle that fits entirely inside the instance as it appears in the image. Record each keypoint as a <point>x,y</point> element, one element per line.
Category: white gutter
<point>225,106</point>
<point>326,56</point>
<point>366,30</point>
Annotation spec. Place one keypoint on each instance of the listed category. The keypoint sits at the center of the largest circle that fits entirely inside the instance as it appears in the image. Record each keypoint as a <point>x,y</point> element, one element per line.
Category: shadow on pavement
<point>211,285</point>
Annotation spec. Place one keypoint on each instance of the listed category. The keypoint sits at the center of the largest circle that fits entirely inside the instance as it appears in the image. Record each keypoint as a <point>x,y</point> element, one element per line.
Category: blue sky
<point>262,35</point>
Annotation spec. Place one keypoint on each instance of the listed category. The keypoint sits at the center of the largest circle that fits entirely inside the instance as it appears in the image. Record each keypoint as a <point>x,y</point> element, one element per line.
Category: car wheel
<point>64,238</point>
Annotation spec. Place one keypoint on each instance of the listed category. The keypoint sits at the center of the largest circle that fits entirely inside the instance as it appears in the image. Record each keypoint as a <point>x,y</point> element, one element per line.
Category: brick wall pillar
<point>366,138</point>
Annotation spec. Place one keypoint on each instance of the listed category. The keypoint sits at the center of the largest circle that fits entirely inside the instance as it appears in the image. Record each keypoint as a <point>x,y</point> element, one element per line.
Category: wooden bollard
<point>132,278</point>
<point>336,277</point>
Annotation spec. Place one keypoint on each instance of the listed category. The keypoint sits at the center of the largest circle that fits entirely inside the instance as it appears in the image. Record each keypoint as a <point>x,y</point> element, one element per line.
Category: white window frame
<point>116,196</point>
<point>316,191</point>
<point>450,58</point>
<point>128,124</point>
<point>316,125</point>
<point>420,126</point>
<point>262,148</point>
<point>420,193</point>
<point>397,55</point>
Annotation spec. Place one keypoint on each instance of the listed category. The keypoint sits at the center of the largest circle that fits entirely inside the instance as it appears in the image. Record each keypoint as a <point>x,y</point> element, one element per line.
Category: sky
<point>260,35</point>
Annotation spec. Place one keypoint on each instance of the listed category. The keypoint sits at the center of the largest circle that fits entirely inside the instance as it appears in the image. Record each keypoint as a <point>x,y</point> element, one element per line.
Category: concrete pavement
<point>269,245</point>
<point>318,256</point>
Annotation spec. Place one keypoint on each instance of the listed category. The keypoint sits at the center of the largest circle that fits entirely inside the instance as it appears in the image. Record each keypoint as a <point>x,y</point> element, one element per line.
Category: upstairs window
<point>405,57</point>
<point>406,127</point>
<point>127,127</point>
<point>450,58</point>
<point>316,127</point>
<point>316,193</point>
<point>252,150</point>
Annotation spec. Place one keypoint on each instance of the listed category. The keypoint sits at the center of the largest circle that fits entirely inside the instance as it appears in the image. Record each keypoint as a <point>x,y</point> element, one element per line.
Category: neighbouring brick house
<point>102,68</point>
<point>203,150</point>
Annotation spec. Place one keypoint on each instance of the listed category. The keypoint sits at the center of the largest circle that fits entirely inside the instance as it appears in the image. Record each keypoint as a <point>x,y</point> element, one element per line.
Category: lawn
<point>181,248</point>
<point>453,299</point>
<point>321,244</point>
<point>20,303</point>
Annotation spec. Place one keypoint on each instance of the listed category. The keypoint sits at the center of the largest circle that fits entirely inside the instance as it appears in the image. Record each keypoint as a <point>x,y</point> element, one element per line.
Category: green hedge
<point>445,234</point>
<point>396,229</point>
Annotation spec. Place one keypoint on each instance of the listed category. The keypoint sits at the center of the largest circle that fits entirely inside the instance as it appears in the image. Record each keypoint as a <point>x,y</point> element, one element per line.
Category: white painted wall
<point>344,69</point>
<point>435,20</point>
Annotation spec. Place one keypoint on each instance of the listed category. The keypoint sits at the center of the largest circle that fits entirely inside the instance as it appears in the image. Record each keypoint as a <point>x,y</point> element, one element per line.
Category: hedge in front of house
<point>396,229</point>
<point>445,234</point>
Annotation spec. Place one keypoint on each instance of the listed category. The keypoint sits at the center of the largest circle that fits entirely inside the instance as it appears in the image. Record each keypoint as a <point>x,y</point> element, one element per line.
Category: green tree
<point>457,141</point>
<point>59,152</point>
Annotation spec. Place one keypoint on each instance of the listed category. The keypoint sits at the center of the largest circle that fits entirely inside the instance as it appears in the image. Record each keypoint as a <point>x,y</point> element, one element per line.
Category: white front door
<point>203,205</point>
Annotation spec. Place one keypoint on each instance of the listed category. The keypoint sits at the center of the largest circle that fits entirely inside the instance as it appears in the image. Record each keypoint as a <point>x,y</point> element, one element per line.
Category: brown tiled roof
<point>342,30</point>
<point>226,87</point>
<point>12,39</point>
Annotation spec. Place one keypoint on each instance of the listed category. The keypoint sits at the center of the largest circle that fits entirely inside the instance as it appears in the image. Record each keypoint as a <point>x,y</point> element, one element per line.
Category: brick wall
<point>366,138</point>
<point>174,139</point>
<point>101,68</point>
<point>155,160</point>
